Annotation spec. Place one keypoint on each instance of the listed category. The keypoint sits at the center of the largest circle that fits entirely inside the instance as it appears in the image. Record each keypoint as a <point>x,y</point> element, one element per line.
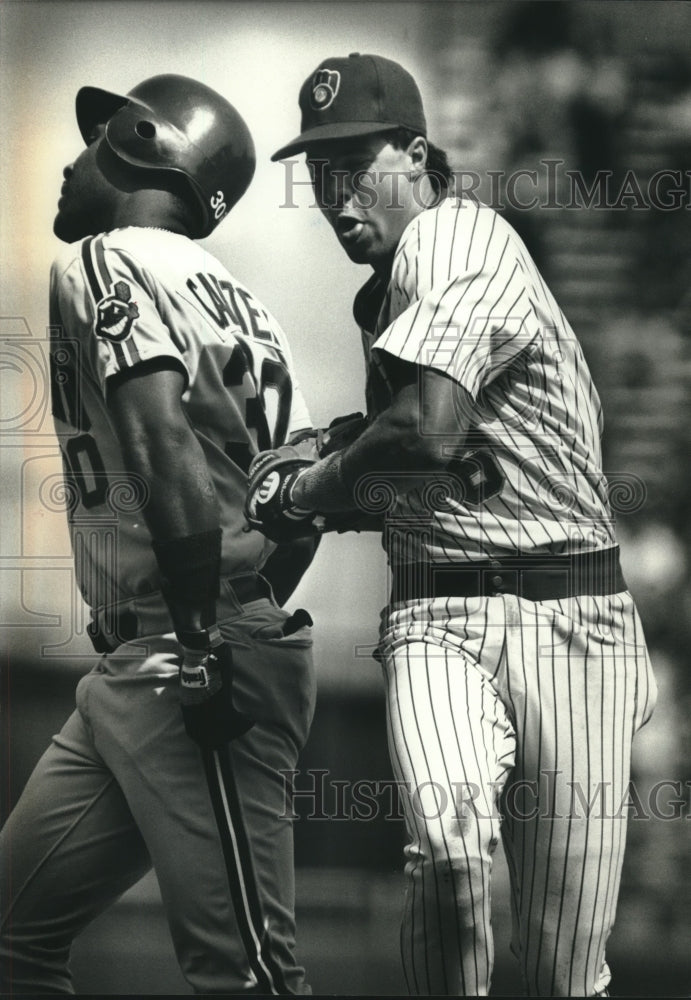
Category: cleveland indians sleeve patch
<point>116,313</point>
<point>127,324</point>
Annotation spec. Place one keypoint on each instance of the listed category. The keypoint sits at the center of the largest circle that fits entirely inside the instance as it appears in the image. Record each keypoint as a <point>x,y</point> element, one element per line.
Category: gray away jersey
<point>126,297</point>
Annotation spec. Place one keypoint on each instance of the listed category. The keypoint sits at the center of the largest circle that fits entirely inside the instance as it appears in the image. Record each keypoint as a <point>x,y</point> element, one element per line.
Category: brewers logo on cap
<point>324,88</point>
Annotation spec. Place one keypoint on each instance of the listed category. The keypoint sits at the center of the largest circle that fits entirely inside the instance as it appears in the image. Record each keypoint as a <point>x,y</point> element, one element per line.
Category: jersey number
<point>85,469</point>
<point>273,388</point>
<point>83,465</point>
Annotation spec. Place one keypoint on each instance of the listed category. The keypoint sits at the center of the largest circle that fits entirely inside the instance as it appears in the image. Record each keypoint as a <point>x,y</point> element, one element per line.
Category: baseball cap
<point>353,96</point>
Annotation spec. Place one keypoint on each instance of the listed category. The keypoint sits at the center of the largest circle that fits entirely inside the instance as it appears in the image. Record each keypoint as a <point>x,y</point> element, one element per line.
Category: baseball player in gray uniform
<point>167,376</point>
<point>515,665</point>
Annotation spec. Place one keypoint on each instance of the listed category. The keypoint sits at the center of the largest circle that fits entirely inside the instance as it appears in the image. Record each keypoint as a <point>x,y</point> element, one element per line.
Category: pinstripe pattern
<point>481,696</point>
<point>525,704</point>
<point>491,323</point>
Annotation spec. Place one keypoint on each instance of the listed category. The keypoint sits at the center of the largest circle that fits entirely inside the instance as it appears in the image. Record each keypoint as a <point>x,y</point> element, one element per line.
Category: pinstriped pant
<point>513,717</point>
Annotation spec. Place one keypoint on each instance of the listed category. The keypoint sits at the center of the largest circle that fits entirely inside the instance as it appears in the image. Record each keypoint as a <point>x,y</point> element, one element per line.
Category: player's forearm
<point>392,450</point>
<point>181,496</point>
<point>159,446</point>
<point>181,512</point>
<point>183,518</point>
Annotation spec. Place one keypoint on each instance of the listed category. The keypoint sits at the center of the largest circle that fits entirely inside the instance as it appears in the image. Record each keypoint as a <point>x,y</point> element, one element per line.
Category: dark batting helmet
<point>173,123</point>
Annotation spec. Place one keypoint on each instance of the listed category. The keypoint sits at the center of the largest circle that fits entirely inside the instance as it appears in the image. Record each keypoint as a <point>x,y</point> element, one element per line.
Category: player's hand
<point>269,506</point>
<point>206,690</point>
<point>322,441</point>
<point>340,433</point>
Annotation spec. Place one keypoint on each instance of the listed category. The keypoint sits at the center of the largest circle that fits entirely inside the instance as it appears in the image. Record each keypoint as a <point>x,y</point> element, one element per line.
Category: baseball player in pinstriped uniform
<point>165,371</point>
<point>515,666</point>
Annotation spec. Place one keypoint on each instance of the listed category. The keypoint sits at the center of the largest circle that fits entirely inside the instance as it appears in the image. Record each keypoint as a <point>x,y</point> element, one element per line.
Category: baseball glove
<point>322,441</point>
<point>340,433</point>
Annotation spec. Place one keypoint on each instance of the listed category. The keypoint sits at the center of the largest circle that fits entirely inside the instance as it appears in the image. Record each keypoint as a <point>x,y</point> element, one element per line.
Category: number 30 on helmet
<point>173,123</point>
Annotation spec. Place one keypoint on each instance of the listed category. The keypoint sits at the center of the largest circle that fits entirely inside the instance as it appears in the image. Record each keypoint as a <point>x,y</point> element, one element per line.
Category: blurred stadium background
<point>600,88</point>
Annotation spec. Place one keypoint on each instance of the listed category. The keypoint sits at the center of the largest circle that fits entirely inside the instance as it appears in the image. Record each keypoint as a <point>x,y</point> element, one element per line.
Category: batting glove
<point>269,506</point>
<point>206,690</point>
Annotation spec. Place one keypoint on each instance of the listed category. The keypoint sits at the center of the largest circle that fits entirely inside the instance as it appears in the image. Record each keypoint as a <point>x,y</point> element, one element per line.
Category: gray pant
<point>121,787</point>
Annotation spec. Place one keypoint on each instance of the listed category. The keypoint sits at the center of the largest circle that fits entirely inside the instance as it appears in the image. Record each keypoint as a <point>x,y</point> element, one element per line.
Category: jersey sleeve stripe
<point>92,270</point>
<point>120,356</point>
<point>101,266</point>
<point>133,352</point>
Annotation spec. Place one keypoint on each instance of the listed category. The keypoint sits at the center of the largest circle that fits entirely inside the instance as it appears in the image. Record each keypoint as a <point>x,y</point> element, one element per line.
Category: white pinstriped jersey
<point>465,299</point>
<point>134,295</point>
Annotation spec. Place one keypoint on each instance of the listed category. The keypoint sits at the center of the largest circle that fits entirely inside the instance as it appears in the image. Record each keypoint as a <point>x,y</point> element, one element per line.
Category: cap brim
<point>95,106</point>
<point>328,133</point>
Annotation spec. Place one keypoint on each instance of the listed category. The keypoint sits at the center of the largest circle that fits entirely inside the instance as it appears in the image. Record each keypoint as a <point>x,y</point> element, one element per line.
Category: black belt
<point>542,577</point>
<point>124,623</point>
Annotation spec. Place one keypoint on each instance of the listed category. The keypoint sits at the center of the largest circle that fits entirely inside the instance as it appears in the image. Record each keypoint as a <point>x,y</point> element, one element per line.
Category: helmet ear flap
<point>143,139</point>
<point>140,138</point>
<point>177,124</point>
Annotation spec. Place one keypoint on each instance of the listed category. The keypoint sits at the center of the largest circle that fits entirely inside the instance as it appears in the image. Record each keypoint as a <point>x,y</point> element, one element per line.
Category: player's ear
<point>417,151</point>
